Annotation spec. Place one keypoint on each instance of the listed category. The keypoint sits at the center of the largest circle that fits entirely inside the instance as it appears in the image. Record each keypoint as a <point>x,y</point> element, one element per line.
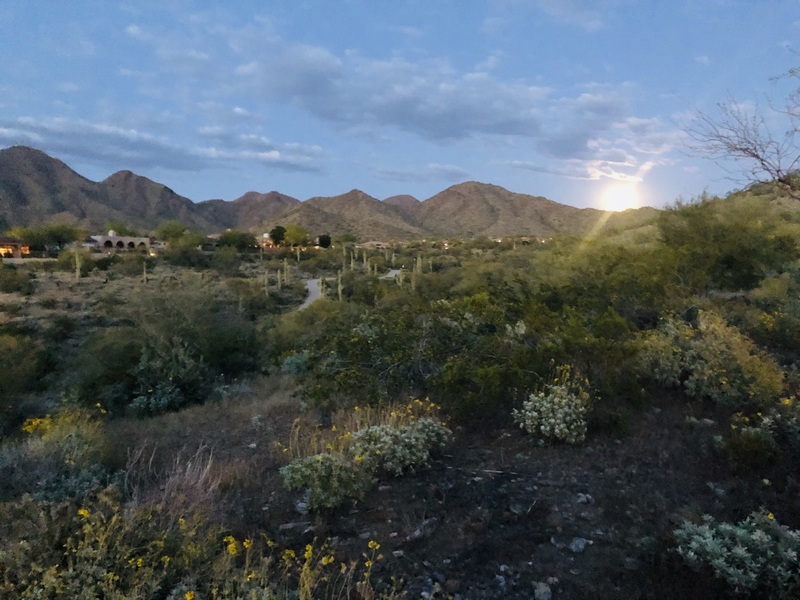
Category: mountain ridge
<point>36,188</point>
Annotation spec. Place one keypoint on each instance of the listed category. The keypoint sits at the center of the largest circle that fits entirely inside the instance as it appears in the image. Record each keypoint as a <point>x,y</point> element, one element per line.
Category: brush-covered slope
<point>35,189</point>
<point>147,203</point>
<point>354,212</point>
<point>252,210</point>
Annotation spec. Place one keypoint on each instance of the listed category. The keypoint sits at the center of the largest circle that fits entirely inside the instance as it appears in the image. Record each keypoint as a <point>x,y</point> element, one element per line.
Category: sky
<point>585,102</point>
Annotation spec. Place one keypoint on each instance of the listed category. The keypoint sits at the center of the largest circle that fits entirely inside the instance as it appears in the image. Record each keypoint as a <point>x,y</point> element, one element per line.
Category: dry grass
<point>307,438</point>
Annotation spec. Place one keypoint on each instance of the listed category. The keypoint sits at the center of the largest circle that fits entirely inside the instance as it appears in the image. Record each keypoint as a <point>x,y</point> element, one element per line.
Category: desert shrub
<point>165,397</point>
<point>226,260</point>
<point>131,264</point>
<point>329,479</point>
<point>104,369</point>
<point>558,411</point>
<point>399,449</point>
<point>713,361</point>
<point>757,555</point>
<point>13,280</point>
<point>18,363</point>
<point>189,341</point>
<point>335,464</point>
<point>750,447</point>
<point>60,457</point>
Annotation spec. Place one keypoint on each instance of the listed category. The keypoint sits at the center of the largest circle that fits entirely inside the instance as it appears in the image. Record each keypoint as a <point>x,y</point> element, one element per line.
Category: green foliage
<point>750,447</point>
<point>241,240</point>
<point>131,264</point>
<point>14,280</point>
<point>324,241</point>
<point>757,555</point>
<point>559,410</point>
<point>295,235</point>
<point>277,234</point>
<point>48,237</point>
<point>105,367</point>
<point>399,449</point>
<point>20,360</point>
<point>714,361</point>
<point>330,479</point>
<point>728,244</point>
<point>170,231</point>
<point>60,457</point>
<point>226,260</point>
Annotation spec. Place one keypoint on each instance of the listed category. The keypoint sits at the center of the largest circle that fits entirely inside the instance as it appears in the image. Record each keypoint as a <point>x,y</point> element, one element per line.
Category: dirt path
<point>312,286</point>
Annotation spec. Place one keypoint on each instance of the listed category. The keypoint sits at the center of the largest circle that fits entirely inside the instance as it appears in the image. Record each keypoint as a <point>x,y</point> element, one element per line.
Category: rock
<point>542,591</point>
<point>301,506</point>
<point>425,529</point>
<point>295,525</point>
<point>578,545</point>
<point>584,499</point>
<point>451,586</point>
<point>632,564</point>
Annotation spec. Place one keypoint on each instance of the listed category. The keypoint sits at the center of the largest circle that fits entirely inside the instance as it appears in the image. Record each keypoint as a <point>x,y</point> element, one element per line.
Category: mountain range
<point>36,188</point>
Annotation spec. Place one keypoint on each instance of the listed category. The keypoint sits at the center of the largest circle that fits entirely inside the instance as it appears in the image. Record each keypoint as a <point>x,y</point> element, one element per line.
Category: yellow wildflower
<point>83,512</point>
<point>309,552</point>
<point>368,564</point>
<point>326,560</point>
<point>771,517</point>
<point>247,543</point>
<point>373,545</point>
<point>232,545</point>
<point>189,595</point>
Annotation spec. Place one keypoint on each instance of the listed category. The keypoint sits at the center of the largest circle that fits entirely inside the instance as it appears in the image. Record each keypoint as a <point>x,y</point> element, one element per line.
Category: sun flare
<point>620,196</point>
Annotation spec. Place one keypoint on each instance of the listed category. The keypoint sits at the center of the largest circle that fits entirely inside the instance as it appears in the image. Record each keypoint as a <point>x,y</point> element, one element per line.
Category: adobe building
<point>120,243</point>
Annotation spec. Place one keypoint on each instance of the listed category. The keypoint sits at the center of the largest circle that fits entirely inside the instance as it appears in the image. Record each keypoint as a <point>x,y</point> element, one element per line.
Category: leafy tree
<point>296,235</point>
<point>325,241</point>
<point>171,231</point>
<point>48,237</point>
<point>241,240</point>
<point>277,234</point>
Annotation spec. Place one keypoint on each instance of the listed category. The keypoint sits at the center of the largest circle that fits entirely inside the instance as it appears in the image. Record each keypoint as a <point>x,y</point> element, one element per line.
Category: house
<point>12,247</point>
<point>119,243</point>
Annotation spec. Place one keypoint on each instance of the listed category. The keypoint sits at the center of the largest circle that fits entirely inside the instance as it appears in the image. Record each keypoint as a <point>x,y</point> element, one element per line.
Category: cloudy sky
<point>582,101</point>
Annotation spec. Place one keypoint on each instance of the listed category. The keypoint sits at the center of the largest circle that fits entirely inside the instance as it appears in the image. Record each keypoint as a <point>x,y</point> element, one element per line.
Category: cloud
<point>581,121</point>
<point>431,172</point>
<point>703,60</point>
<point>100,142</point>
<point>582,13</point>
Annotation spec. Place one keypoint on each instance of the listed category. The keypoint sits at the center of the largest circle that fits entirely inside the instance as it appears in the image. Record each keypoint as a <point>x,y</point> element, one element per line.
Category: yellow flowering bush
<point>557,412</point>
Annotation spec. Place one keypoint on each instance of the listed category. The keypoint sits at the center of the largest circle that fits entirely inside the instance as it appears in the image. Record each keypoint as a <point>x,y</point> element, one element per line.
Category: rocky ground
<point>500,517</point>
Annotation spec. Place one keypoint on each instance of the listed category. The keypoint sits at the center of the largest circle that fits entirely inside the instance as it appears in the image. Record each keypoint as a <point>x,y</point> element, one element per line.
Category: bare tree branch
<point>742,134</point>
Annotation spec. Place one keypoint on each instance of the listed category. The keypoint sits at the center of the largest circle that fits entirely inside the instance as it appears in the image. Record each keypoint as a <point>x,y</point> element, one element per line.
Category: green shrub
<point>750,447</point>
<point>757,555</point>
<point>329,479</point>
<point>557,412</point>
<point>399,449</point>
<point>14,280</point>
<point>715,361</point>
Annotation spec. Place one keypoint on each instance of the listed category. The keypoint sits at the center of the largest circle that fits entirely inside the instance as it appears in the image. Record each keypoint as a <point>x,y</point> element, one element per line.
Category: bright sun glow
<point>620,196</point>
